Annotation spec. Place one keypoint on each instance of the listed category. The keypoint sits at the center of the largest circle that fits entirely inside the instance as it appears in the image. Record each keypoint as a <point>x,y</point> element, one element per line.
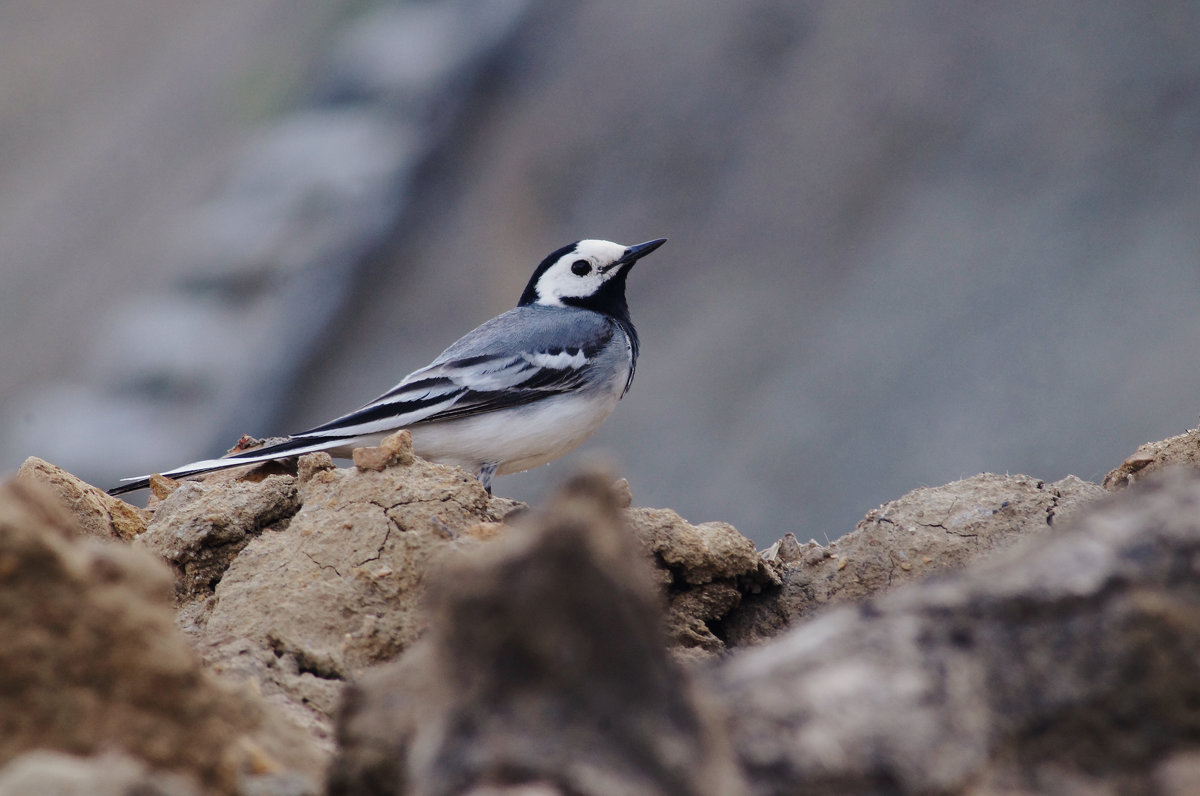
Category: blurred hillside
<point>909,241</point>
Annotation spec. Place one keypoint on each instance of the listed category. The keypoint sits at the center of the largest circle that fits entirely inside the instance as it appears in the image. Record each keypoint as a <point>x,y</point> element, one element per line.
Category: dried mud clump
<point>200,529</point>
<point>92,661</point>
<point>45,773</point>
<point>706,570</point>
<point>1179,451</point>
<point>466,643</point>
<point>928,530</point>
<point>545,645</point>
<point>1069,663</point>
<point>329,576</point>
<point>93,512</point>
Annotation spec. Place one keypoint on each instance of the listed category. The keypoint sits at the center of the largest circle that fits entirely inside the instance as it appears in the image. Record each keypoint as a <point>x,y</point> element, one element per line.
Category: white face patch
<point>579,273</point>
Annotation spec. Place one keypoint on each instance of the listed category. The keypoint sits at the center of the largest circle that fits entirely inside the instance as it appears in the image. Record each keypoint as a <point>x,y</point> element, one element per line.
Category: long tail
<point>292,446</point>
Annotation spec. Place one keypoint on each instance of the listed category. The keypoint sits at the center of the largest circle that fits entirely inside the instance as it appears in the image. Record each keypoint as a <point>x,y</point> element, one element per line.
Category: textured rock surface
<point>200,528</point>
<point>562,649</point>
<point>94,512</point>
<point>44,773</point>
<point>706,569</point>
<point>296,583</point>
<point>925,531</point>
<point>1067,664</point>
<point>338,587</point>
<point>541,646</point>
<point>1181,450</point>
<point>91,659</point>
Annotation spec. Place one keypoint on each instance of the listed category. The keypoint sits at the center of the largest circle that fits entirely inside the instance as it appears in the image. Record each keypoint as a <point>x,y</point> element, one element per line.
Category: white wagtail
<point>519,391</point>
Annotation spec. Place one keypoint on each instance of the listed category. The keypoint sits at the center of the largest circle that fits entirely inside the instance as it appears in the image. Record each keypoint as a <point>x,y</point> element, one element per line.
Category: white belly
<point>516,439</point>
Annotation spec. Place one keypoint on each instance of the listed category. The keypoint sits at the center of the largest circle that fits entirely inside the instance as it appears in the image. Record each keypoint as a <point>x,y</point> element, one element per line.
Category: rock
<point>111,774</point>
<point>305,604</point>
<point>1065,659</point>
<point>395,450</point>
<point>706,569</point>
<point>925,531</point>
<point>91,659</point>
<point>1183,450</point>
<point>544,669</point>
<point>624,493</point>
<point>787,550</point>
<point>94,511</point>
<point>200,527</point>
<point>1178,775</point>
<point>1068,663</point>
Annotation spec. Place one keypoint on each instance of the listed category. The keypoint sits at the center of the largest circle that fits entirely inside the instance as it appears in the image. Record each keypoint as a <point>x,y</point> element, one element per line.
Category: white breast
<point>519,438</point>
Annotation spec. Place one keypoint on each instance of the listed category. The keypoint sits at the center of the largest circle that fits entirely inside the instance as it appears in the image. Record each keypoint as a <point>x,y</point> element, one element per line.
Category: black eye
<point>581,268</point>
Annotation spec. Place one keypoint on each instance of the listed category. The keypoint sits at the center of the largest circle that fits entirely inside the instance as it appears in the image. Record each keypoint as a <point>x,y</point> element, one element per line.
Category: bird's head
<point>588,273</point>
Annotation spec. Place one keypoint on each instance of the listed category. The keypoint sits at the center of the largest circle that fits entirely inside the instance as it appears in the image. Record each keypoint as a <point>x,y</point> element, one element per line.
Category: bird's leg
<point>486,471</point>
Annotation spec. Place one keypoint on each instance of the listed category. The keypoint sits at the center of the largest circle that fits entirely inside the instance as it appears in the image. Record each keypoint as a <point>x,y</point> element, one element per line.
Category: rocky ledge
<point>391,628</point>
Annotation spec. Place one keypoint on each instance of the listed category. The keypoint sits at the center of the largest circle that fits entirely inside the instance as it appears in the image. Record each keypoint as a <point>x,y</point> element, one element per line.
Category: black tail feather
<point>272,452</point>
<point>130,486</point>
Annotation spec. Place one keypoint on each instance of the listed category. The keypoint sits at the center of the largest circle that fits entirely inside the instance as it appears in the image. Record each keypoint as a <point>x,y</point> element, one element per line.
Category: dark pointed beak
<point>635,253</point>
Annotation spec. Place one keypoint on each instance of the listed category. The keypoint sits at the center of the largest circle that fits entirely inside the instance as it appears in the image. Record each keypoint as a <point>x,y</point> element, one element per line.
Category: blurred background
<point>909,241</point>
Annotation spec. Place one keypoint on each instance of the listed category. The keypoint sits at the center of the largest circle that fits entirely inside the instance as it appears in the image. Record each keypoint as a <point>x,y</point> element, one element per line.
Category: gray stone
<point>545,667</point>
<point>1069,661</point>
<point>928,530</point>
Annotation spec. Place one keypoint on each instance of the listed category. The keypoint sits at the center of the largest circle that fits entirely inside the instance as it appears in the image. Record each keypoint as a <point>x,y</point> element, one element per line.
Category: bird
<point>517,392</point>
